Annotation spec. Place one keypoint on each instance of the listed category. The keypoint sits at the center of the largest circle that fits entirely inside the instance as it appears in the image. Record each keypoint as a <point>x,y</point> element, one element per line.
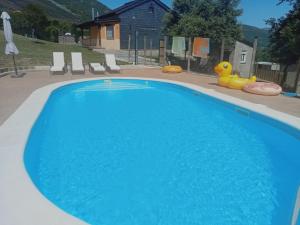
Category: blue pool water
<point>126,152</point>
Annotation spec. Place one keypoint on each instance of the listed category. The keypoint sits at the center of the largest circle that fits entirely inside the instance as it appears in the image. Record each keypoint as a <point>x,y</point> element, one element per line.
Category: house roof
<point>246,42</point>
<point>99,20</point>
<point>112,16</point>
<point>85,24</point>
<point>133,4</point>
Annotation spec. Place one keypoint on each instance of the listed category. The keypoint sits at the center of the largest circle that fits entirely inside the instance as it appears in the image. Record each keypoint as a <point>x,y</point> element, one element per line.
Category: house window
<point>110,32</point>
<point>243,57</point>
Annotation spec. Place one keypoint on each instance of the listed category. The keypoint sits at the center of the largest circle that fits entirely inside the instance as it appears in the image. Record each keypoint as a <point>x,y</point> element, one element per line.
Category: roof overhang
<point>98,22</point>
<point>86,24</point>
<point>107,19</point>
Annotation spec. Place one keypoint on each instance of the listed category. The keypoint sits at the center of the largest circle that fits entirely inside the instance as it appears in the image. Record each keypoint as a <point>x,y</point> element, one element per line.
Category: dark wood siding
<point>148,22</point>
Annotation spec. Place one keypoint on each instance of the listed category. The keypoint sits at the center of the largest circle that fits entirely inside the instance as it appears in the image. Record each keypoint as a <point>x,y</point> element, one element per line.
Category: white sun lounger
<point>111,63</point>
<point>96,68</point>
<point>77,64</point>
<point>59,65</point>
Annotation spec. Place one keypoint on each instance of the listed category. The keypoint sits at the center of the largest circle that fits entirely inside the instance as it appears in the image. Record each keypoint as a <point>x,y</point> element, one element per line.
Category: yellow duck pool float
<point>227,79</point>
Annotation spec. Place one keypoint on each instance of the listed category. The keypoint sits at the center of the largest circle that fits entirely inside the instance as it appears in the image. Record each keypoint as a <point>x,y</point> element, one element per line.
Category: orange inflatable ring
<point>172,69</point>
<point>263,88</point>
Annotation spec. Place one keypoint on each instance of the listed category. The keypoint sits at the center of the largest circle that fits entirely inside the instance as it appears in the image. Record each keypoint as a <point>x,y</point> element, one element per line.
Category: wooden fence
<point>89,42</point>
<point>269,75</point>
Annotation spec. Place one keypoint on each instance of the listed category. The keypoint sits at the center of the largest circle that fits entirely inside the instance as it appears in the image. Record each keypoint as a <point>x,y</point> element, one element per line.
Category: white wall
<point>239,67</point>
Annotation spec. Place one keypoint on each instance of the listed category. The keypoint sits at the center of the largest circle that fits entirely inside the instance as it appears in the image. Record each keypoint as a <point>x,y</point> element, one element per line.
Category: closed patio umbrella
<point>10,48</point>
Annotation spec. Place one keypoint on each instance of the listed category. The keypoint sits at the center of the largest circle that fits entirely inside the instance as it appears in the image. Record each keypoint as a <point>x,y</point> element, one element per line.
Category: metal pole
<point>16,70</point>
<point>165,49</point>
<point>222,50</point>
<point>253,56</point>
<point>129,48</point>
<point>145,43</point>
<point>189,55</point>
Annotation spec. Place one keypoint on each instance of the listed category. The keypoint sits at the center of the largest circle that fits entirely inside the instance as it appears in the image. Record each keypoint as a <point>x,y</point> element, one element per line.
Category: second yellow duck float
<point>227,79</point>
<point>172,69</point>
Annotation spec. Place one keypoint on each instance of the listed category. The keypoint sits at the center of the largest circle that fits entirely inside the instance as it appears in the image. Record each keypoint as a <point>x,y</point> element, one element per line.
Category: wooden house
<point>126,26</point>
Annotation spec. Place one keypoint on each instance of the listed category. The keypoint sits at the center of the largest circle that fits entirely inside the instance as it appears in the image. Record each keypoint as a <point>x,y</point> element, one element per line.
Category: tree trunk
<point>283,80</point>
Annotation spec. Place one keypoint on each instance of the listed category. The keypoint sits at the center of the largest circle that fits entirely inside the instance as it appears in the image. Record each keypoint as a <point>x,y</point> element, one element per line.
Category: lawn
<point>37,52</point>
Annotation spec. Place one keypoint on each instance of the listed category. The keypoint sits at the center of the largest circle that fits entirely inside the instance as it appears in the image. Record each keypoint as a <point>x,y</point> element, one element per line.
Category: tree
<point>19,24</point>
<point>53,30</point>
<point>285,38</point>
<point>214,19</point>
<point>37,20</point>
<point>65,27</point>
<point>262,54</point>
<point>33,18</point>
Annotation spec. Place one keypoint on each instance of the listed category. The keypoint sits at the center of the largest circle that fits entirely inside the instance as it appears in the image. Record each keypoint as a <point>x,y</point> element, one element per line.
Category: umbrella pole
<point>16,70</point>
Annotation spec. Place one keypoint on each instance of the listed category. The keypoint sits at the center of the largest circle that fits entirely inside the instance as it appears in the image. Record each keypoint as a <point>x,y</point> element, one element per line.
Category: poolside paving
<point>13,91</point>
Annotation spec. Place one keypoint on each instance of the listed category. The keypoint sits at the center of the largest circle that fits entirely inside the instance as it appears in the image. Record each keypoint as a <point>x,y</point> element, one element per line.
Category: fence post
<point>253,56</point>
<point>277,76</point>
<point>165,49</point>
<point>129,47</point>
<point>189,55</point>
<point>222,50</point>
<point>151,50</point>
<point>145,43</point>
<point>161,52</point>
<point>136,48</point>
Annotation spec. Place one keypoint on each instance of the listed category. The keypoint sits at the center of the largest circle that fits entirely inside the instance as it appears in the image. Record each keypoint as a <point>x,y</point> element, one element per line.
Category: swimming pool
<point>146,152</point>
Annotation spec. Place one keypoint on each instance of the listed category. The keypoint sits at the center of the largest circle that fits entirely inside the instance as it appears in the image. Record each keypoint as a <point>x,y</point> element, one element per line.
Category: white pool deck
<point>20,201</point>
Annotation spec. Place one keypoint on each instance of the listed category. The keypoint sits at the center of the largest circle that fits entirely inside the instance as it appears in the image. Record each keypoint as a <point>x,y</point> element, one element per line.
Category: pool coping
<point>20,201</point>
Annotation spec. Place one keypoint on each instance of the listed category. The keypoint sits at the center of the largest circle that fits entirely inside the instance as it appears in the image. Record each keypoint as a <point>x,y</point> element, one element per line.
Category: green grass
<point>38,52</point>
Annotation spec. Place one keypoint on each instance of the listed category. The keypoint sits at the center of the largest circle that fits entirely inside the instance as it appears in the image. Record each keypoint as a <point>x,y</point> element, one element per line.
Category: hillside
<point>42,54</point>
<point>250,32</point>
<point>70,10</point>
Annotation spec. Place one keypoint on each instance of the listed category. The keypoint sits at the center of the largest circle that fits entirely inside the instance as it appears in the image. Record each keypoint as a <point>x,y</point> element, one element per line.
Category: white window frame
<point>243,58</point>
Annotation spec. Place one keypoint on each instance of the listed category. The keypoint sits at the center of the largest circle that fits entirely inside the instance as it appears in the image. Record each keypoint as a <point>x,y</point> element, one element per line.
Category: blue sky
<point>255,11</point>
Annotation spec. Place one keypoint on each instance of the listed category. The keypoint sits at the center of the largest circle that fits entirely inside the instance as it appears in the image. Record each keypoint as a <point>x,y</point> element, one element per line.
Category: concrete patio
<point>13,91</point>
